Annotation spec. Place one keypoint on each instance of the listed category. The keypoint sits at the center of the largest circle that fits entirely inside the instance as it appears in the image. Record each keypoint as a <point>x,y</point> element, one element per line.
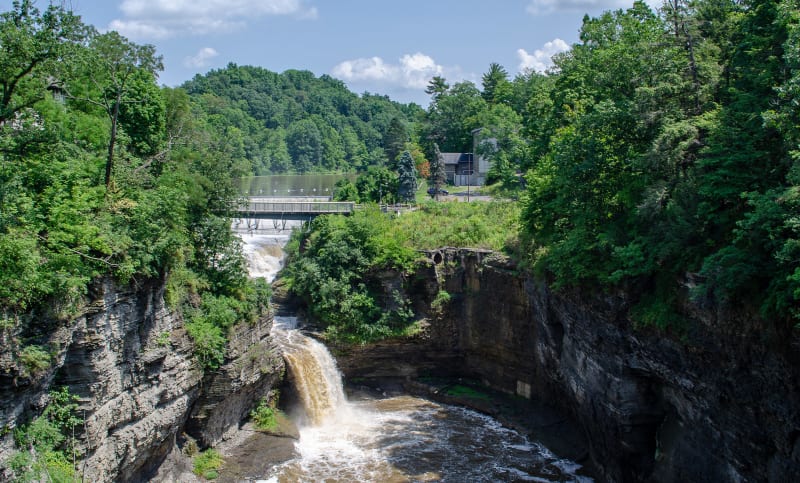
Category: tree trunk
<point>113,140</point>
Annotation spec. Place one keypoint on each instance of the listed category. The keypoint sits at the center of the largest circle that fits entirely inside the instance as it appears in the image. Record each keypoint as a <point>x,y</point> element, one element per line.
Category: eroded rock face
<point>721,403</point>
<point>255,366</point>
<point>130,361</point>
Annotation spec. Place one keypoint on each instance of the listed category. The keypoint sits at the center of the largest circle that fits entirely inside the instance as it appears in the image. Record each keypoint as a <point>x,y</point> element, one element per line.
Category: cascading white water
<point>396,439</point>
<point>312,371</point>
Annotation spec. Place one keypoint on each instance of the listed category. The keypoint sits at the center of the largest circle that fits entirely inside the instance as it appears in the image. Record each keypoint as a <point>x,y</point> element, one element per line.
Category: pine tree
<point>407,182</point>
<point>438,175</point>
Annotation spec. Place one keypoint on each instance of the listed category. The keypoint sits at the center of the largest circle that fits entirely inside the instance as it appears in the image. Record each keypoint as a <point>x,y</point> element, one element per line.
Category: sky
<point>387,47</point>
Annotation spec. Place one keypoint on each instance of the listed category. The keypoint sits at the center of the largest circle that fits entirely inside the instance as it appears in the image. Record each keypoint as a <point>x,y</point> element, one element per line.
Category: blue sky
<point>387,47</point>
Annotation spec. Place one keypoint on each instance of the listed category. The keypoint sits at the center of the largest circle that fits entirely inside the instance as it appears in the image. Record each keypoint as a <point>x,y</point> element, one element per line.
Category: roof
<point>455,158</point>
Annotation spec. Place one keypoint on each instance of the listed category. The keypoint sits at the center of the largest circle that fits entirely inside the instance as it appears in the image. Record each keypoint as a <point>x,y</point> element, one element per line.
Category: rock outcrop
<point>720,402</point>
<point>130,361</point>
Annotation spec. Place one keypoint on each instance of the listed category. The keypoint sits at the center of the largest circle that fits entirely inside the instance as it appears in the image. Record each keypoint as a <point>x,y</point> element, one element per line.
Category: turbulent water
<point>397,439</point>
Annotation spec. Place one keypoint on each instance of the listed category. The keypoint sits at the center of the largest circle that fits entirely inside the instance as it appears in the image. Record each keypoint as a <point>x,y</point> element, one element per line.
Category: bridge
<point>298,208</point>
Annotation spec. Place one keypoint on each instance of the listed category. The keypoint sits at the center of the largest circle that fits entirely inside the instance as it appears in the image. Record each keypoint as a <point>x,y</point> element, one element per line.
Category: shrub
<point>209,343</point>
<point>34,360</point>
<point>207,464</point>
<point>264,416</point>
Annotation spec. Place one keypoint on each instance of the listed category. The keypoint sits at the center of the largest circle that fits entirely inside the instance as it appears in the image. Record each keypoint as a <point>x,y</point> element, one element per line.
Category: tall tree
<point>496,87</point>
<point>304,142</point>
<point>407,180</point>
<point>437,87</point>
<point>116,69</point>
<point>37,48</point>
<point>394,140</point>
<point>438,175</point>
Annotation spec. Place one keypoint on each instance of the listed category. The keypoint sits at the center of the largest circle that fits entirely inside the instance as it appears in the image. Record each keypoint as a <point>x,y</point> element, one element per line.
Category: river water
<point>395,439</point>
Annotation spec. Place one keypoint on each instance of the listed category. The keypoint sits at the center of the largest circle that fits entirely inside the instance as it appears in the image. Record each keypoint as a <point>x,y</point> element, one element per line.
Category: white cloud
<point>544,7</point>
<point>412,71</point>
<point>542,58</point>
<point>158,19</point>
<point>201,58</point>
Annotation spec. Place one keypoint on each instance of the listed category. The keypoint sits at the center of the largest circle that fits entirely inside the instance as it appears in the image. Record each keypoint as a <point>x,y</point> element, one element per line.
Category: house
<point>464,169</point>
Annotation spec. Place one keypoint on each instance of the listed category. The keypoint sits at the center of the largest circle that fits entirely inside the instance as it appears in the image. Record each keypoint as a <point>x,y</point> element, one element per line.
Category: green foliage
<point>664,147</point>
<point>441,300</point>
<point>378,185</point>
<point>264,416</point>
<point>207,464</point>
<point>490,225</point>
<point>407,180</point>
<point>34,360</point>
<point>209,342</point>
<point>42,452</point>
<point>438,175</point>
<point>336,270</point>
<point>36,45</point>
<point>296,122</point>
<point>467,392</point>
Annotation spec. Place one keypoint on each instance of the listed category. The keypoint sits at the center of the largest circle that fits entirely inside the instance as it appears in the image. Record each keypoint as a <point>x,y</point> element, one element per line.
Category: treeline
<point>295,122</point>
<point>661,152</point>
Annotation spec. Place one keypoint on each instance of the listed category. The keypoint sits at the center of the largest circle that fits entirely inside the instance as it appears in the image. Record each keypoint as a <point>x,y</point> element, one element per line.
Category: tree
<point>394,140</point>
<point>36,50</point>
<point>451,118</point>
<point>378,184</point>
<point>437,87</point>
<point>407,181</point>
<point>116,69</point>
<point>496,87</point>
<point>438,175</point>
<point>304,142</point>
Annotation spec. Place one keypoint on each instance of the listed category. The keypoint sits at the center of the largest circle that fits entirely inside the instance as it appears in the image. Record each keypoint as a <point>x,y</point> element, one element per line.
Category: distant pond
<point>291,184</point>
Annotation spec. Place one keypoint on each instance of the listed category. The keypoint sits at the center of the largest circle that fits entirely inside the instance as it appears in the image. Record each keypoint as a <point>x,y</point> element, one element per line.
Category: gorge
<point>717,404</point>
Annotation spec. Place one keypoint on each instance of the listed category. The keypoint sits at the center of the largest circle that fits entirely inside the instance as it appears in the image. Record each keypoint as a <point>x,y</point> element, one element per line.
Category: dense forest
<point>295,122</point>
<point>662,152</point>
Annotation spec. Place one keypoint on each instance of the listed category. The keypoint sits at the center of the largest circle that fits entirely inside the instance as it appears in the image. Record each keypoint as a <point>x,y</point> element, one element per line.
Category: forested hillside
<point>295,122</point>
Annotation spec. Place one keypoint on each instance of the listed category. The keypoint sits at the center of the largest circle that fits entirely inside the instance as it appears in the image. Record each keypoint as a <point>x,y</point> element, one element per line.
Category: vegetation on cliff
<point>335,263</point>
<point>105,175</point>
<point>661,151</point>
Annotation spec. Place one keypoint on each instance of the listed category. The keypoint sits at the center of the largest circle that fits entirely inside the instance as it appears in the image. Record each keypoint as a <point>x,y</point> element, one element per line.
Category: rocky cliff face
<point>720,403</point>
<point>129,360</point>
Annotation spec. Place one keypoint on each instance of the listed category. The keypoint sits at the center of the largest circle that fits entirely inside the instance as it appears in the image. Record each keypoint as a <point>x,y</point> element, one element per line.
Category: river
<point>390,439</point>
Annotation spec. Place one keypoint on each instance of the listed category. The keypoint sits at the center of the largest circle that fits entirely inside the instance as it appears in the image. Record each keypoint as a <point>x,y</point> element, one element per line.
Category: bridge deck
<point>263,208</point>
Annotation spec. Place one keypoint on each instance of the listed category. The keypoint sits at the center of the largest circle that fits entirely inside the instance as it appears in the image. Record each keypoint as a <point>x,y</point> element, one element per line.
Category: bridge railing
<point>297,207</point>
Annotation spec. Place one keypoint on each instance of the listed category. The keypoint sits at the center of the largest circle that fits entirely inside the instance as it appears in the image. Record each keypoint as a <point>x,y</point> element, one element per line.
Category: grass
<point>491,225</point>
<point>459,390</point>
<point>207,464</point>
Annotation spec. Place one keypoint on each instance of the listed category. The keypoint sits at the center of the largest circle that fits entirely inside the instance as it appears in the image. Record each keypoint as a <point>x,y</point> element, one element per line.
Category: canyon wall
<point>130,361</point>
<point>718,402</point>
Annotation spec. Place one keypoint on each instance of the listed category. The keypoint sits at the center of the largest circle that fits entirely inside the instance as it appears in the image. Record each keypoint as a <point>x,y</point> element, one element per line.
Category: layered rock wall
<point>720,402</point>
<point>717,403</point>
<point>130,361</point>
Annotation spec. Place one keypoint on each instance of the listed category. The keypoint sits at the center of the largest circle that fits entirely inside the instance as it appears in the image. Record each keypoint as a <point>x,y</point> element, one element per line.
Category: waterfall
<point>312,370</point>
<point>395,439</point>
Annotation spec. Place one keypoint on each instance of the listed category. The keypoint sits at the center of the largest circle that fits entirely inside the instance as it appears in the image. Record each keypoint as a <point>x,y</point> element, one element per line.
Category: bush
<point>209,343</point>
<point>42,452</point>
<point>207,464</point>
<point>264,416</point>
<point>34,360</point>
